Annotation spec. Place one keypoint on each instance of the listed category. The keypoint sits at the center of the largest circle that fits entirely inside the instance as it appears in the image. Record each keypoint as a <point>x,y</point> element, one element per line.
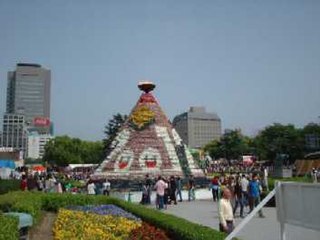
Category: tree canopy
<point>111,129</point>
<point>271,141</point>
<point>63,150</point>
<point>232,145</point>
<point>279,139</point>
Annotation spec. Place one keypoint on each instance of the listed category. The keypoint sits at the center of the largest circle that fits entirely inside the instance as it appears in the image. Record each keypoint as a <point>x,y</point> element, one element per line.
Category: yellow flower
<point>80,225</point>
<point>141,116</point>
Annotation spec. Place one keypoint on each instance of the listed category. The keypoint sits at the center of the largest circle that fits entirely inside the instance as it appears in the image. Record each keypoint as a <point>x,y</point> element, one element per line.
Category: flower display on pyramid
<point>125,159</point>
<point>150,158</point>
<point>141,117</point>
<point>147,144</point>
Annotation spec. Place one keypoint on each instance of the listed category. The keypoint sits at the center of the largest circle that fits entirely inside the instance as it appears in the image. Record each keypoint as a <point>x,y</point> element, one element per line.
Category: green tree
<point>310,135</point>
<point>63,150</point>
<point>214,149</point>
<point>279,139</point>
<point>232,145</point>
<point>111,130</point>
<point>92,152</point>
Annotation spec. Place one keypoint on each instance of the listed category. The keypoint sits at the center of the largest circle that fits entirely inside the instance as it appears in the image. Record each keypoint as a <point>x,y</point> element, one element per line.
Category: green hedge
<point>8,227</point>
<point>27,202</point>
<point>33,203</point>
<point>9,185</point>
<point>271,180</point>
<point>176,227</point>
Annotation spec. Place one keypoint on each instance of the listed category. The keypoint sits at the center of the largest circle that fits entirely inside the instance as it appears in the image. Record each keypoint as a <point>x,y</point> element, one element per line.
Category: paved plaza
<point>205,212</point>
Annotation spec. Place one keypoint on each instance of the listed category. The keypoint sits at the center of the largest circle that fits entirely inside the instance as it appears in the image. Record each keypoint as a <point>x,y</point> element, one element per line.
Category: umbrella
<point>39,168</point>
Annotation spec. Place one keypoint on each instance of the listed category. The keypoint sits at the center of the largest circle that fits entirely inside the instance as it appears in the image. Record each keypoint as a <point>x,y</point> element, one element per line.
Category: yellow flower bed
<point>76,225</point>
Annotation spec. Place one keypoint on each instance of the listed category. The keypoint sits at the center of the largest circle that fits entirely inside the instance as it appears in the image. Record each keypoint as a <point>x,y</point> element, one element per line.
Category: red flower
<point>123,165</point>
<point>146,232</point>
<point>151,164</point>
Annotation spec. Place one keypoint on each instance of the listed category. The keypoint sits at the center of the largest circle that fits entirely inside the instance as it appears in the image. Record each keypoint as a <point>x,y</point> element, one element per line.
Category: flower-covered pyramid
<point>147,144</point>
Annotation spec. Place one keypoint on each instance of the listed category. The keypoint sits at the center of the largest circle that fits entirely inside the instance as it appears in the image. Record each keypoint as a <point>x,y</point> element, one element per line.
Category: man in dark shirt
<point>191,195</point>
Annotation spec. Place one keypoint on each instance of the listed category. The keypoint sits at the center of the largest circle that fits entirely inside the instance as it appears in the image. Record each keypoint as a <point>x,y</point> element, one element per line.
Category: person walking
<point>23,183</point>
<point>106,186</point>
<point>191,195</point>
<point>215,188</point>
<point>173,189</point>
<point>179,188</point>
<point>265,178</point>
<point>91,188</point>
<point>160,187</point>
<point>144,198</point>
<point>148,185</point>
<point>254,191</point>
<point>244,188</point>
<point>238,196</point>
<point>225,212</point>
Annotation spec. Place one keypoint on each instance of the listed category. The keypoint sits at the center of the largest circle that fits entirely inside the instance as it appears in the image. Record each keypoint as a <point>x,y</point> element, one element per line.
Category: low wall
<point>135,196</point>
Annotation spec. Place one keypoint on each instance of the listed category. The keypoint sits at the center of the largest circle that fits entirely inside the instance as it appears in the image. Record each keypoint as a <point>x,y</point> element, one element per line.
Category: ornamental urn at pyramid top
<point>146,86</point>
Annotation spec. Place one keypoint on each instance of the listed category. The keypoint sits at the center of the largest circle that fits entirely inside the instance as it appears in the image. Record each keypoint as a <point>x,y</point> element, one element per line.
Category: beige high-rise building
<point>197,127</point>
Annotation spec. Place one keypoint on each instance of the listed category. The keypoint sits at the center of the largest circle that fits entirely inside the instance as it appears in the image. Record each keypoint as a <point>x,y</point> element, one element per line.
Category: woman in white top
<point>91,188</point>
<point>226,212</point>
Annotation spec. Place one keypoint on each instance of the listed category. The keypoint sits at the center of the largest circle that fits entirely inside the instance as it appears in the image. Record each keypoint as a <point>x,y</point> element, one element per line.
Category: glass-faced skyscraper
<point>28,104</point>
<point>28,91</point>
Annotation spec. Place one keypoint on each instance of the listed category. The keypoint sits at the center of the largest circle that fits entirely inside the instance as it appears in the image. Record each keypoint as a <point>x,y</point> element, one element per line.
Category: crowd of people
<point>59,182</point>
<point>224,166</point>
<point>168,190</point>
<point>238,191</point>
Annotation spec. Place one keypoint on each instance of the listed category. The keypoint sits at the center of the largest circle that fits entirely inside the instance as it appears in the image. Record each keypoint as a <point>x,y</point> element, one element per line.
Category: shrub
<point>9,185</point>
<point>27,202</point>
<point>9,227</point>
<point>177,228</point>
<point>271,180</point>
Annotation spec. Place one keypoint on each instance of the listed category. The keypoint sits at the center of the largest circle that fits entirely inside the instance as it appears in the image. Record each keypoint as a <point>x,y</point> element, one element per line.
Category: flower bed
<point>102,222</point>
<point>108,209</point>
<point>146,231</point>
<point>35,203</point>
<point>82,225</point>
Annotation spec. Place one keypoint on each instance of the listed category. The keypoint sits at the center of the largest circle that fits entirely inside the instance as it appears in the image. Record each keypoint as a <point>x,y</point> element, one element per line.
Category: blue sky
<point>252,62</point>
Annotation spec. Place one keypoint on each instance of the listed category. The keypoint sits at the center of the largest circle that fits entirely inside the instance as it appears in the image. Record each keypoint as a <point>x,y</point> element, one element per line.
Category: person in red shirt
<point>23,184</point>
<point>215,184</point>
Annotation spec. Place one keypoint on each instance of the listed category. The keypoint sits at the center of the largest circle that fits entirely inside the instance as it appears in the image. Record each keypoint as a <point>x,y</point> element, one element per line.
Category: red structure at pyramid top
<point>147,97</point>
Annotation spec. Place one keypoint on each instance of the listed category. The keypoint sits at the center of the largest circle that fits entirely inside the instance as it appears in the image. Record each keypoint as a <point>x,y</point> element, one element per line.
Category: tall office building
<point>14,131</point>
<point>28,91</point>
<point>36,144</point>
<point>197,127</point>
<point>28,104</point>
